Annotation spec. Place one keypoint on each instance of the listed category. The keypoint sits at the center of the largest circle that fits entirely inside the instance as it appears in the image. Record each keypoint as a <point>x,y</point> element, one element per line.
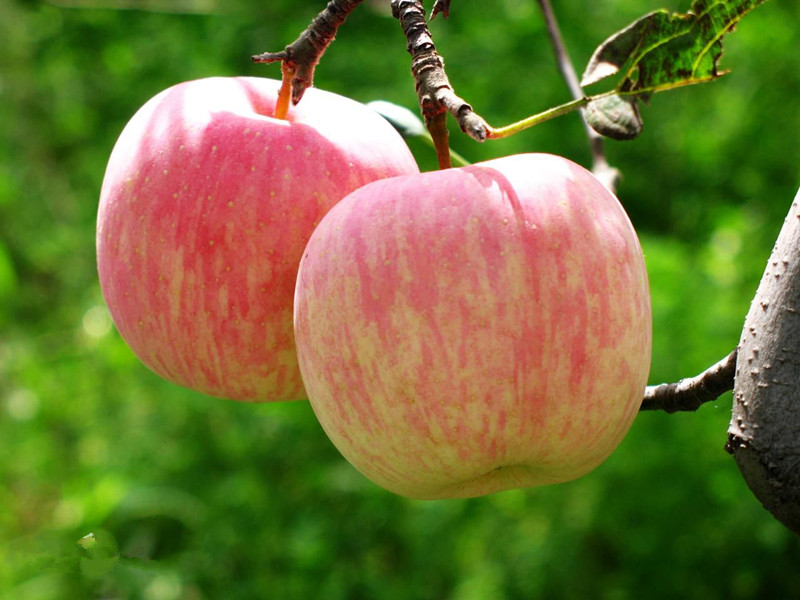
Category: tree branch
<point>600,167</point>
<point>764,432</point>
<point>691,393</point>
<point>435,94</point>
<point>300,58</point>
<point>441,6</point>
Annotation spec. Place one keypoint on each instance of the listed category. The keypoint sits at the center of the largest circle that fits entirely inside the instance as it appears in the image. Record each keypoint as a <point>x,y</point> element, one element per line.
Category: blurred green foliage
<point>116,484</point>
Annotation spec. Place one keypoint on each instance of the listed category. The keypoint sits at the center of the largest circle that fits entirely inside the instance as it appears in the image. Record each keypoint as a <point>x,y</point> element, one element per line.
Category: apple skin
<point>206,206</point>
<point>473,330</point>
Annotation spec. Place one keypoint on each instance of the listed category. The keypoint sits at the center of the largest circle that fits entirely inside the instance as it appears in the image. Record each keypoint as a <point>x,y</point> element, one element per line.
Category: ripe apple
<point>477,329</point>
<point>206,206</point>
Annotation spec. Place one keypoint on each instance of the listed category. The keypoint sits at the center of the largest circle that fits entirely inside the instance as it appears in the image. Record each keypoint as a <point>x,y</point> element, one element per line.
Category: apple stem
<point>434,91</point>
<point>437,126</point>
<point>285,92</point>
<point>455,158</point>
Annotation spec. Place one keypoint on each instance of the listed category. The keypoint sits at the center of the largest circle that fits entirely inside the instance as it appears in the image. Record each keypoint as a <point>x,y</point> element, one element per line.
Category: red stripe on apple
<point>477,329</point>
<point>206,206</point>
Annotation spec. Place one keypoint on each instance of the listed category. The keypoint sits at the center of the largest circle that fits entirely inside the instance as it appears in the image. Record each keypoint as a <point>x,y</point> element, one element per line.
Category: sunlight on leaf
<point>663,50</point>
<point>658,52</point>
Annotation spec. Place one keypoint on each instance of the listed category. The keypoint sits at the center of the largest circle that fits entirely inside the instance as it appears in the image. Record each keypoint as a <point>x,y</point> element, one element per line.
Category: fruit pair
<point>458,332</point>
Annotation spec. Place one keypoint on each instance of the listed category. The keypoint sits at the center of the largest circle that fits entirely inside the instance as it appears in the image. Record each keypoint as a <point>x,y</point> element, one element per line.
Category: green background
<point>193,497</point>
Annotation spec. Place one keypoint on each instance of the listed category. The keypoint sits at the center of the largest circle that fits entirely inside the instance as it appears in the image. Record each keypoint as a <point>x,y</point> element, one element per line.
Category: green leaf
<point>402,119</point>
<point>664,50</point>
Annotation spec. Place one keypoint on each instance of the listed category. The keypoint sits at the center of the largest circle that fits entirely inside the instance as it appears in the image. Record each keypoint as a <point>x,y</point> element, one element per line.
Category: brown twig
<point>300,58</point>
<point>600,167</point>
<point>691,393</point>
<point>436,95</point>
<point>441,6</point>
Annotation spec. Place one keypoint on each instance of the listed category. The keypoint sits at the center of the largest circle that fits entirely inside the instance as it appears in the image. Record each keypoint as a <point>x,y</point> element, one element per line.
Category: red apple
<point>206,206</point>
<point>473,330</point>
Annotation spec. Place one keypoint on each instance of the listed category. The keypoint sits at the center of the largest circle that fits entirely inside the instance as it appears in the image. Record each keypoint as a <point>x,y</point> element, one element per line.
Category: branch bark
<point>300,58</point>
<point>764,433</point>
<point>441,6</point>
<point>691,393</point>
<point>434,91</point>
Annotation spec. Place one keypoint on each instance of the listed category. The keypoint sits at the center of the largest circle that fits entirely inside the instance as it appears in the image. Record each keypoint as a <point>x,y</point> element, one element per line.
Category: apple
<point>205,208</point>
<point>472,330</point>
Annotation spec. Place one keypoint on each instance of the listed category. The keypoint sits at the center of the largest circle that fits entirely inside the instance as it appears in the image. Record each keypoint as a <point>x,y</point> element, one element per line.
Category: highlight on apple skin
<point>205,208</point>
<point>472,330</point>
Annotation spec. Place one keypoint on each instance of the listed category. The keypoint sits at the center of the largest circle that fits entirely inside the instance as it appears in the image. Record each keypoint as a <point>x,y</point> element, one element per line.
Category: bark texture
<point>436,95</point>
<point>301,57</point>
<point>441,6</point>
<point>764,434</point>
<point>691,393</point>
